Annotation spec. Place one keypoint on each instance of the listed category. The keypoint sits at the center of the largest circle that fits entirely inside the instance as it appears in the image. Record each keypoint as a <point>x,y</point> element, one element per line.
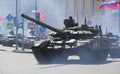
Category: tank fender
<point>38,43</point>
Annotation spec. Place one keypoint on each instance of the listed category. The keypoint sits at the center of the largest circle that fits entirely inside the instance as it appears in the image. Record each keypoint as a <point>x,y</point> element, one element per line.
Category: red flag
<point>113,5</point>
<point>42,16</point>
<point>1,18</point>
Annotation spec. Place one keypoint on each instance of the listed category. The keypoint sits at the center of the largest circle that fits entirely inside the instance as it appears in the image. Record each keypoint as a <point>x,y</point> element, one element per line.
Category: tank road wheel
<point>100,55</point>
<point>84,54</point>
<point>100,49</point>
<point>4,44</point>
<point>95,51</point>
<point>93,55</point>
<point>7,44</point>
<point>114,53</point>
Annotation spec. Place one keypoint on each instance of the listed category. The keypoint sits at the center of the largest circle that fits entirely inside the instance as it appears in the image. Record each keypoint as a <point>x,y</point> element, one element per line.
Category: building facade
<point>57,10</point>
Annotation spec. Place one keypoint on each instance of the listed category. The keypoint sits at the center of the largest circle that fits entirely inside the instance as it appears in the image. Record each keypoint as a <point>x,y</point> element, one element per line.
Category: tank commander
<point>69,22</point>
<point>84,27</point>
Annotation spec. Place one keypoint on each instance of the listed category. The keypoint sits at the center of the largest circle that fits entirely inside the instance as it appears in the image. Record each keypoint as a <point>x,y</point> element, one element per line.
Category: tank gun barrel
<point>41,23</point>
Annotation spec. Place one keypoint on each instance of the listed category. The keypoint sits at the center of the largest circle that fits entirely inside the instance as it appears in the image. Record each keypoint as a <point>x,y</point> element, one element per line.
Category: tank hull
<point>87,53</point>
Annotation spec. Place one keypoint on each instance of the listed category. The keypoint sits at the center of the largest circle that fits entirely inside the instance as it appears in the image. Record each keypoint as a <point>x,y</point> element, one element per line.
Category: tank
<point>83,41</point>
<point>115,45</point>
<point>114,39</point>
<point>9,40</point>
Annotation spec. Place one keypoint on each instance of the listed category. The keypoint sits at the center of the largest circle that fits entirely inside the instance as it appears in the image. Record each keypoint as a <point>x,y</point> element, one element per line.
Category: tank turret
<point>84,41</point>
<point>70,32</point>
<point>70,22</point>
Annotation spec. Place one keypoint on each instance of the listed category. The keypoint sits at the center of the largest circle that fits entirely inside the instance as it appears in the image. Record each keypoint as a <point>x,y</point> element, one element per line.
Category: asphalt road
<point>25,63</point>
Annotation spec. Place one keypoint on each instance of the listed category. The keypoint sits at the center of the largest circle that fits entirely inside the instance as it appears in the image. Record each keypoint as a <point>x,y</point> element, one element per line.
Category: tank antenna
<point>106,31</point>
<point>77,11</point>
<point>85,21</point>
